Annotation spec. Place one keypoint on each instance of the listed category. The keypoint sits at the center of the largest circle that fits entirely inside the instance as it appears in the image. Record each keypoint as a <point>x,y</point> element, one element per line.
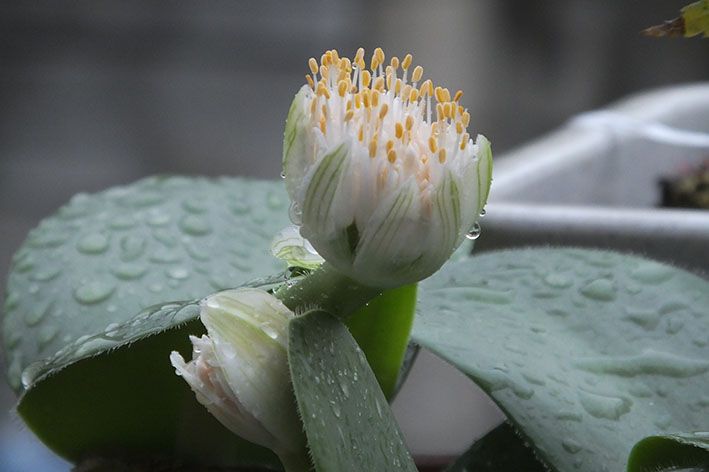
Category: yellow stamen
<point>348,115</point>
<point>379,52</point>
<point>406,91</point>
<point>391,155</point>
<point>432,144</point>
<point>342,88</point>
<point>458,96</point>
<point>309,79</point>
<point>313,64</point>
<point>360,134</point>
<point>383,111</point>
<point>409,122</point>
<point>395,62</point>
<point>464,141</point>
<point>373,148</point>
<point>366,78</point>
<point>446,95</point>
<point>442,156</point>
<point>398,130</point>
<point>458,127</point>
<point>406,63</point>
<point>359,55</point>
<point>466,119</point>
<point>438,91</point>
<point>418,73</point>
<point>375,98</point>
<point>397,86</point>
<point>414,95</point>
<point>389,146</point>
<point>324,71</point>
<point>379,84</point>
<point>323,125</point>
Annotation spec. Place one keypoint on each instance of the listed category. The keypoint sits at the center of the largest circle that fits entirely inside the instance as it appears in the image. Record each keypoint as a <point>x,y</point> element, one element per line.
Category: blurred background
<point>94,94</point>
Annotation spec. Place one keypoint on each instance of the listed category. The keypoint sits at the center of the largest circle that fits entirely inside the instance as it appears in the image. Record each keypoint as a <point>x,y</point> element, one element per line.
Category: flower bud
<point>383,176</point>
<point>239,369</point>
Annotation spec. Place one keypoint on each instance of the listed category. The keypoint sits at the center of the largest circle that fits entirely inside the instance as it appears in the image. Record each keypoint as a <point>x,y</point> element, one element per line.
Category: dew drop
<point>93,292</point>
<point>600,289</point>
<point>557,280</point>
<point>122,222</point>
<point>46,274</point>
<point>92,243</point>
<point>178,273</point>
<point>283,174</point>
<point>651,273</point>
<point>570,446</point>
<point>483,212</point>
<point>604,406</point>
<point>474,232</point>
<point>129,271</point>
<point>195,225</point>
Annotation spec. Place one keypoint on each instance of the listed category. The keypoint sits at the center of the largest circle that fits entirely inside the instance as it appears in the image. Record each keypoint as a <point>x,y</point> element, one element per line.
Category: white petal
<point>293,248</point>
<point>297,145</point>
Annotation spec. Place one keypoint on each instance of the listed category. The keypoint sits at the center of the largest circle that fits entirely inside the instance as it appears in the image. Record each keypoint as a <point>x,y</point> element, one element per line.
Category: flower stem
<point>329,290</point>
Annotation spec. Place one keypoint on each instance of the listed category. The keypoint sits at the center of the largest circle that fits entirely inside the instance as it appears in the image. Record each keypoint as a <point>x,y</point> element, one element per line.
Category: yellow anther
<point>349,105</point>
<point>434,128</point>
<point>342,88</point>
<point>379,52</point>
<point>313,64</point>
<point>442,156</point>
<point>323,125</point>
<point>458,96</point>
<point>366,78</point>
<point>466,118</point>
<point>359,55</point>
<point>323,60</point>
<point>447,110</point>
<point>409,122</point>
<point>373,148</point>
<point>374,63</point>
<point>324,71</point>
<point>406,63</point>
<point>342,75</point>
<point>346,65</point>
<point>348,115</point>
<point>309,79</point>
<point>314,105</point>
<point>427,88</point>
<point>438,92</point>
<point>391,155</point>
<point>389,79</point>
<point>406,91</point>
<point>360,134</point>
<point>379,84</point>
<point>432,144</point>
<point>389,146</point>
<point>397,86</point>
<point>335,56</point>
<point>365,98</point>
<point>464,141</point>
<point>439,111</point>
<point>414,95</point>
<point>446,95</point>
<point>358,100</point>
<point>375,98</point>
<point>324,111</point>
<point>322,90</point>
<point>418,73</point>
<point>394,62</point>
<point>398,130</point>
<point>383,111</point>
<point>459,127</point>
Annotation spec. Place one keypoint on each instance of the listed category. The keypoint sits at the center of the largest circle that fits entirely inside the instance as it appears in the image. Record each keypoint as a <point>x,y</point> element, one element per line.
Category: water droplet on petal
<point>474,232</point>
<point>93,292</point>
<point>295,214</point>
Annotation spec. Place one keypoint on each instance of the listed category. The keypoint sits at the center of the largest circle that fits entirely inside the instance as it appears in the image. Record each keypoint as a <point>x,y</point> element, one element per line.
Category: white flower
<point>239,370</point>
<point>384,179</point>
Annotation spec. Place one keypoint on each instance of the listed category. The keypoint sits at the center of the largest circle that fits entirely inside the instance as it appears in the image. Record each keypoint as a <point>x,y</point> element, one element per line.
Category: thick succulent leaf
<point>346,417</point>
<point>103,258</point>
<point>382,329</point>
<point>671,452</point>
<point>586,351</point>
<point>500,450</point>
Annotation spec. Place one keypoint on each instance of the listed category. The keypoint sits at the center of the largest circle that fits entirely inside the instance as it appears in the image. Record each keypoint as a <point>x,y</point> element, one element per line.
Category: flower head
<point>239,370</point>
<point>384,177</point>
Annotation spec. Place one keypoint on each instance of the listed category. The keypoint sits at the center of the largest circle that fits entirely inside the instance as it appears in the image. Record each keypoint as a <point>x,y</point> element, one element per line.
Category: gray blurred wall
<point>94,94</point>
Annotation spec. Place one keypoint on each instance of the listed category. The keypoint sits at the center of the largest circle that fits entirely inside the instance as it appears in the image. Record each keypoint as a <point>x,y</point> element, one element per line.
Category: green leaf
<point>382,330</point>
<point>104,258</point>
<point>500,450</point>
<point>586,351</point>
<point>670,452</point>
<point>346,417</point>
